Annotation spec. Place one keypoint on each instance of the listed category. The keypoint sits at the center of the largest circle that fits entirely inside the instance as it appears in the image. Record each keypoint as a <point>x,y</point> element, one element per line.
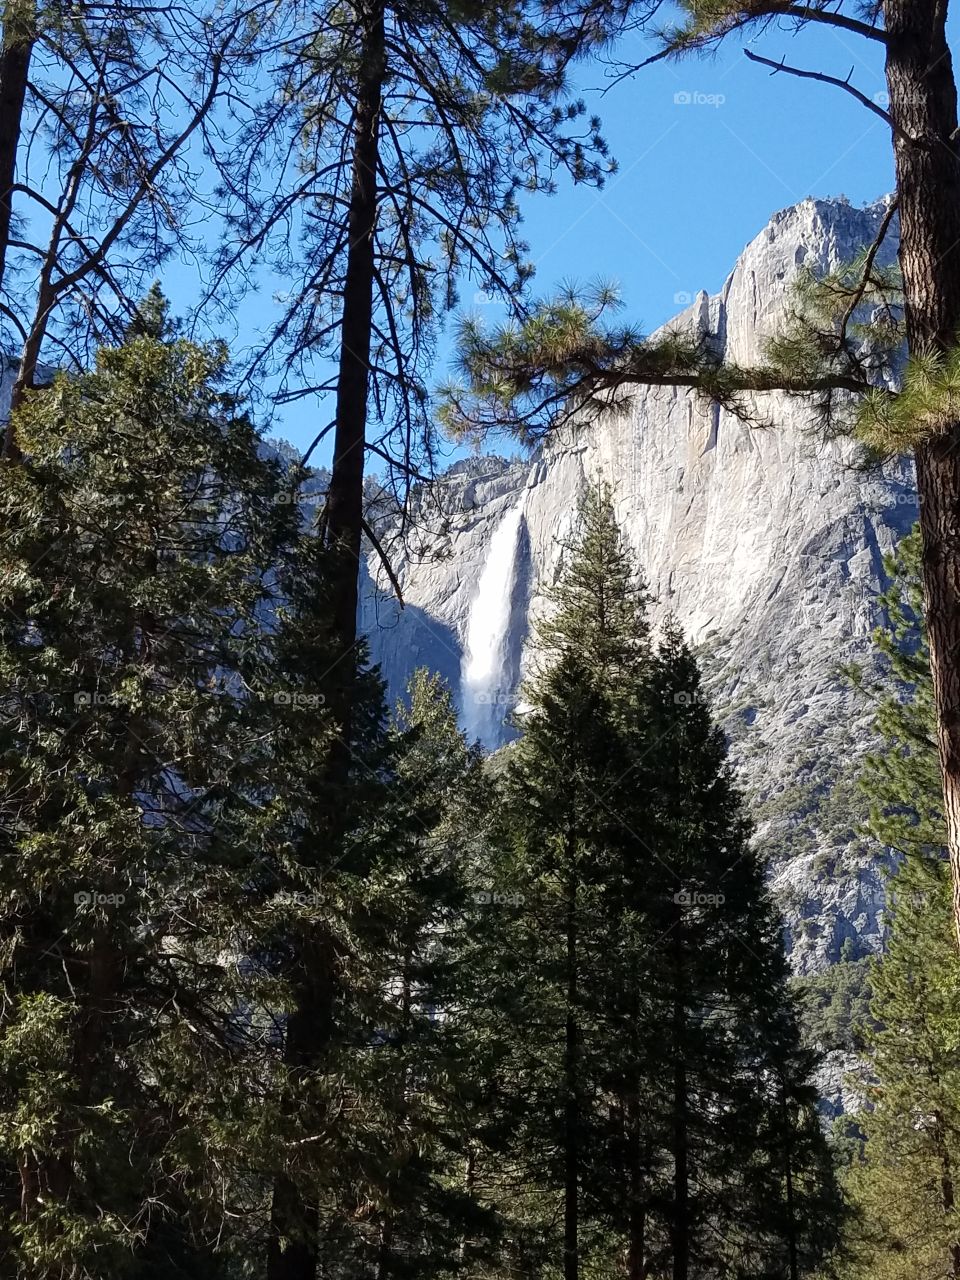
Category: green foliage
<point>835,1005</point>
<point>598,604</point>
<point>926,403</point>
<point>181,865</point>
<point>172,833</point>
<point>141,824</point>
<point>902,1183</point>
<point>564,362</point>
<point>626,825</point>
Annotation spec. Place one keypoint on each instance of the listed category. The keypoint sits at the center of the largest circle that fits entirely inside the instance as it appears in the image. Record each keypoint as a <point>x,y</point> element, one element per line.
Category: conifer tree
<point>417,126</point>
<point>425,1054</point>
<point>673,1096</point>
<point>904,1184</point>
<point>592,648</point>
<point>142,828</point>
<point>748,1186</point>
<point>176,851</point>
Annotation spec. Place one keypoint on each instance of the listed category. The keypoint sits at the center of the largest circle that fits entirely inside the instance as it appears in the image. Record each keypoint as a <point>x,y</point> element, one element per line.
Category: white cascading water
<point>484,678</point>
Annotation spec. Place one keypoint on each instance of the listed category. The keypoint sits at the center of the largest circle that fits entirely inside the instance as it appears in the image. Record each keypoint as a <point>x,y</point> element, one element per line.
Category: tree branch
<point>868,266</point>
<point>383,560</point>
<point>834,80</point>
<point>807,13</point>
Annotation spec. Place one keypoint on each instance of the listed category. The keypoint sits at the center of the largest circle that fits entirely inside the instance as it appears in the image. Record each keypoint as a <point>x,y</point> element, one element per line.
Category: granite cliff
<point>766,543</point>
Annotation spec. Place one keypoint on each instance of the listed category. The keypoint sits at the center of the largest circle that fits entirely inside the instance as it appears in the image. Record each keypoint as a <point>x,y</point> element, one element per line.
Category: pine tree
<point>422,122</point>
<point>422,1218</point>
<point>179,860</point>
<point>592,650</point>
<point>746,1182</point>
<point>672,1111</point>
<point>904,1184</point>
<point>142,824</point>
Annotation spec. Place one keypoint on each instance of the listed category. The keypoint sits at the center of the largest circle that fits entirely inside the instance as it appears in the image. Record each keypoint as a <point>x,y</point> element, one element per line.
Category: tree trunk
<point>293,1243</point>
<point>680,1227</point>
<point>923,106</point>
<point>571,1070</point>
<point>344,509</point>
<point>293,1249</point>
<point>19,37</point>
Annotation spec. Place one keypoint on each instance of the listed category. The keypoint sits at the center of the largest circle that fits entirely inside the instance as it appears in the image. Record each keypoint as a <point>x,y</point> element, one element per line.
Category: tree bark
<point>293,1241</point>
<point>19,38</point>
<point>293,1248</point>
<point>571,1071</point>
<point>923,108</point>
<point>343,517</point>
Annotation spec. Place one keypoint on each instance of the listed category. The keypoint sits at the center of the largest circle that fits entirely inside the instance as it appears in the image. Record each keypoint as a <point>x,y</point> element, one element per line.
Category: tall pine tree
<point>672,1114</point>
<point>142,825</point>
<point>905,1183</point>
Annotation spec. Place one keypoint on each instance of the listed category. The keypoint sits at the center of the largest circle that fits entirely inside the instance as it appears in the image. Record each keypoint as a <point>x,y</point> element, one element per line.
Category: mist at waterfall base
<point>486,677</point>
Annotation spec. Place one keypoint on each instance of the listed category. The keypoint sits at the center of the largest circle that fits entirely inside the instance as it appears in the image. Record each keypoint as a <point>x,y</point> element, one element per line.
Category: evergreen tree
<point>420,1088</point>
<point>745,1186</point>
<point>672,1110</point>
<point>142,827</point>
<point>420,124</point>
<point>592,649</point>
<point>904,1183</point>
<point>179,859</point>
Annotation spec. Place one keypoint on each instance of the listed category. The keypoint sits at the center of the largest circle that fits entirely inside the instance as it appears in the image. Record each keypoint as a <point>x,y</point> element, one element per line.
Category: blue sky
<point>698,179</point>
<point>708,149</point>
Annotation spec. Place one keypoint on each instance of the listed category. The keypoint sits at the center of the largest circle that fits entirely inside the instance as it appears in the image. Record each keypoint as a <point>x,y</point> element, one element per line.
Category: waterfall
<point>485,676</point>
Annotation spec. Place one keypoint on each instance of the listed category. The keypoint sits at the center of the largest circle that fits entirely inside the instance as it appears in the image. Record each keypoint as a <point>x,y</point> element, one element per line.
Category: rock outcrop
<point>767,545</point>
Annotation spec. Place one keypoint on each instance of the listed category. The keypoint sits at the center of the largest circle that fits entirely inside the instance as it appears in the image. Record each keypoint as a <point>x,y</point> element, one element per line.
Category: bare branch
<point>868,265</point>
<point>823,78</point>
<point>394,582</point>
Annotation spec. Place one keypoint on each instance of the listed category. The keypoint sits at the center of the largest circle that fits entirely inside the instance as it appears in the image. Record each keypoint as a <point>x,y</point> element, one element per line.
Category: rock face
<point>765,543</point>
